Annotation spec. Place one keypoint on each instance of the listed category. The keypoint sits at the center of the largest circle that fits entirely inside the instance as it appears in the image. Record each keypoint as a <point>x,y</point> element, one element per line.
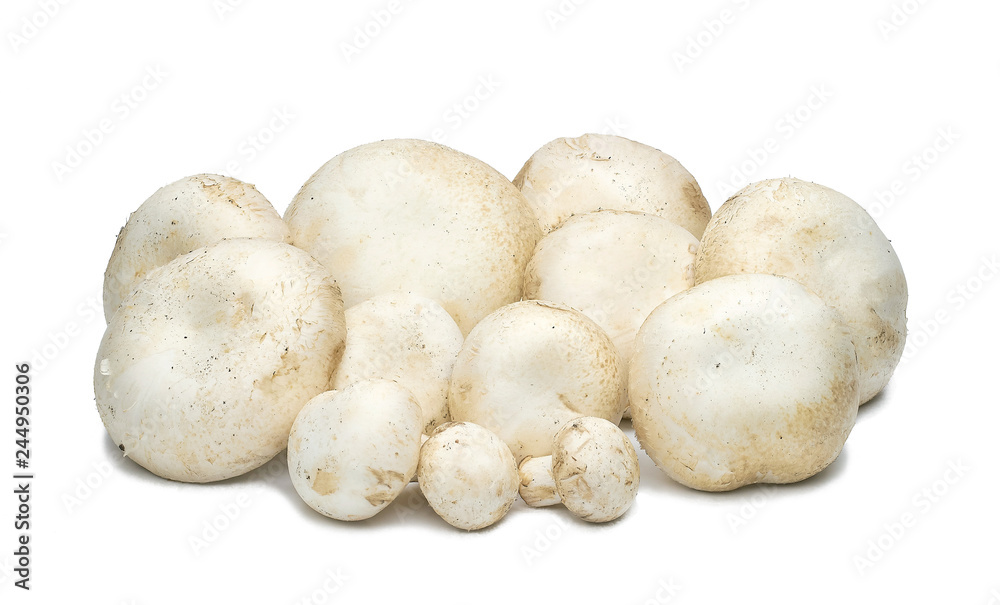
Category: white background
<point>869,97</point>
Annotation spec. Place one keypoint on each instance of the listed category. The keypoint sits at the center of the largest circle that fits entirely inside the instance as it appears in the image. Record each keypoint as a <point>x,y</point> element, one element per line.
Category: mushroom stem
<point>538,485</point>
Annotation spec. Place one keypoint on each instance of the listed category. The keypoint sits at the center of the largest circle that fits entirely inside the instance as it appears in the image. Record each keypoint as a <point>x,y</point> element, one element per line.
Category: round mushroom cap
<point>531,367</point>
<point>596,469</point>
<point>468,475</point>
<point>351,452</point>
<point>191,213</point>
<point>202,370</point>
<point>418,217</point>
<point>826,241</point>
<point>406,338</point>
<point>743,379</point>
<point>615,267</point>
<point>595,172</point>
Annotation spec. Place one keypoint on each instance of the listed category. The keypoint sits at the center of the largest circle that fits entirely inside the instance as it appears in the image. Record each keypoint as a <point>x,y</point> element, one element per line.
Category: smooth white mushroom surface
<point>468,475</point>
<point>614,266</point>
<point>530,367</point>
<point>191,213</point>
<point>829,243</point>
<point>202,370</point>
<point>417,217</point>
<point>743,379</point>
<point>351,452</point>
<point>593,172</point>
<point>593,471</point>
<point>406,338</point>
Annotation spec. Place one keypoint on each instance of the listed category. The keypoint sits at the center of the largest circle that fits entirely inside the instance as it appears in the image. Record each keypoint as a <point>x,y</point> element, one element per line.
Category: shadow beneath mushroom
<point>874,404</point>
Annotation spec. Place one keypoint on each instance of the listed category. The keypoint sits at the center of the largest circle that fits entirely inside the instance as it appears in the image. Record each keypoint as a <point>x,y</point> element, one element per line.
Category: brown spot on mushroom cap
<point>325,483</point>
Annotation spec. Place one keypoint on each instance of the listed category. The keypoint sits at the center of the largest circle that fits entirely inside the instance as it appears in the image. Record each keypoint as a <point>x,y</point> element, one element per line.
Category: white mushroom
<point>594,172</point>
<point>614,266</point>
<point>406,338</point>
<point>418,217</point>
<point>531,367</point>
<point>351,452</point>
<point>593,471</point>
<point>191,213</point>
<point>203,369</point>
<point>468,475</point>
<point>826,241</point>
<point>743,379</point>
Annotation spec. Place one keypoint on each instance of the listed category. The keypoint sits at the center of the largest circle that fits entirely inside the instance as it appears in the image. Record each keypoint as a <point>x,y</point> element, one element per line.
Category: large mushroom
<point>417,217</point>
<point>743,379</point>
<point>202,370</point>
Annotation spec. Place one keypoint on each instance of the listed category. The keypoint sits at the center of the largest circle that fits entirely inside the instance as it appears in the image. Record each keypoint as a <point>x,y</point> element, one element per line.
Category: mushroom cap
<point>595,171</point>
<point>596,469</point>
<point>743,379</point>
<point>351,452</point>
<point>468,475</point>
<point>827,242</point>
<point>191,213</point>
<point>418,217</point>
<point>614,266</point>
<point>407,338</point>
<point>530,367</point>
<point>202,370</point>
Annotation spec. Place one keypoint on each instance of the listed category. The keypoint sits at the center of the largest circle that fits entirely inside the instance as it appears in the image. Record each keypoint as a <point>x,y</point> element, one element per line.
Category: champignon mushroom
<point>202,370</point>
<point>529,368</point>
<point>406,338</point>
<point>826,241</point>
<point>418,217</point>
<point>191,213</point>
<point>351,452</point>
<point>615,267</point>
<point>594,172</point>
<point>468,475</point>
<point>743,379</point>
<point>593,471</point>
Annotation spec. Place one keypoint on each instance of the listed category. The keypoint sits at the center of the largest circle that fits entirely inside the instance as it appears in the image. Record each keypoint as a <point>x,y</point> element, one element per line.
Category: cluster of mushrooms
<point>495,332</point>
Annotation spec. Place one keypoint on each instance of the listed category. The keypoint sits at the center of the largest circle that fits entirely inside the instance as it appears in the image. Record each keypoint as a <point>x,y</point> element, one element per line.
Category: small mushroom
<point>191,213</point>
<point>595,171</point>
<point>529,368</point>
<point>468,475</point>
<point>351,452</point>
<point>406,338</point>
<point>743,379</point>
<point>418,217</point>
<point>827,242</point>
<point>593,471</point>
<point>203,369</point>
